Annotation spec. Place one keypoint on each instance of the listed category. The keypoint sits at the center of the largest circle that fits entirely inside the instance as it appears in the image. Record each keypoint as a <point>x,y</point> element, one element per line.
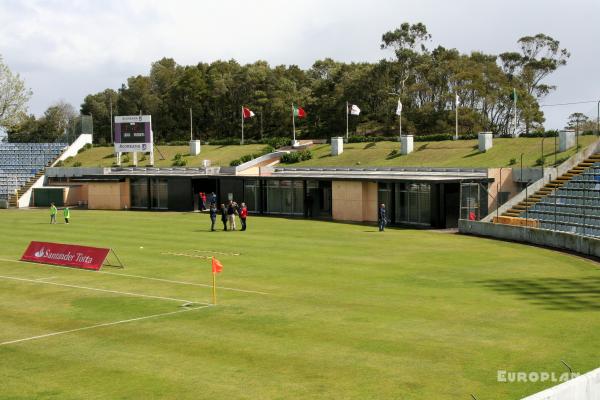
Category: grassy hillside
<point>461,153</point>
<point>307,310</point>
<point>218,155</point>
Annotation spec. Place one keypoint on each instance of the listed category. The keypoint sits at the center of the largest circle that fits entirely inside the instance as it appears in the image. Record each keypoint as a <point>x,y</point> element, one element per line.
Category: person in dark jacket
<point>382,217</point>
<point>224,216</point>
<point>243,215</point>
<point>213,216</point>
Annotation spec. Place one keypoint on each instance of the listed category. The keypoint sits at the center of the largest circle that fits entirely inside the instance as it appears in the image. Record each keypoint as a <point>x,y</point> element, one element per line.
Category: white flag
<point>457,101</point>
<point>399,108</point>
<point>354,110</point>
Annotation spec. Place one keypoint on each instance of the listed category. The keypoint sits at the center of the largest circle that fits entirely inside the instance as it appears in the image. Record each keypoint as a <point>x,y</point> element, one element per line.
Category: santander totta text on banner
<point>68,255</point>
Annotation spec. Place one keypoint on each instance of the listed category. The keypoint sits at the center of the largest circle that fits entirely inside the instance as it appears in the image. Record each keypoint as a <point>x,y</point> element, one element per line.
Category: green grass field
<point>461,153</point>
<point>309,309</point>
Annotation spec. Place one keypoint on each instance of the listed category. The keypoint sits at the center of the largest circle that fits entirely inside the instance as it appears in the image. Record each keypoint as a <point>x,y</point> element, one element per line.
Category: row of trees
<point>426,80</point>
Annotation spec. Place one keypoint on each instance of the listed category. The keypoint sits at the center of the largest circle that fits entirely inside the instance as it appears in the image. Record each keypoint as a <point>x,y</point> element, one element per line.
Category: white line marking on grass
<point>102,325</point>
<point>183,283</point>
<point>96,289</point>
<point>140,277</point>
<point>46,278</point>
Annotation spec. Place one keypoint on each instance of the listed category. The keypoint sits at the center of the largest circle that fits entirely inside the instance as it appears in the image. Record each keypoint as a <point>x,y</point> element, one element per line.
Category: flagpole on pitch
<point>242,124</point>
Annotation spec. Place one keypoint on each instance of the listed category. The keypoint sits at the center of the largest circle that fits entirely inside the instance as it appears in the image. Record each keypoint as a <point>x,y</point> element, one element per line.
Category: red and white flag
<point>247,113</point>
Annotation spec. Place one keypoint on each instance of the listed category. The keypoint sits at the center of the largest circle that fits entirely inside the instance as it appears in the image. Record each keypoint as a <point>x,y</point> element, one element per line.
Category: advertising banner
<point>68,255</point>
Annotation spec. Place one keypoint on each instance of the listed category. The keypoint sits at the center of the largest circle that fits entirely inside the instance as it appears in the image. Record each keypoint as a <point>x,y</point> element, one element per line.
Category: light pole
<point>542,156</point>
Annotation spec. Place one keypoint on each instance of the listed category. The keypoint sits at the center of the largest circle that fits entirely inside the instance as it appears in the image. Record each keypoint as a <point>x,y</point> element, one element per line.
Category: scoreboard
<point>133,133</point>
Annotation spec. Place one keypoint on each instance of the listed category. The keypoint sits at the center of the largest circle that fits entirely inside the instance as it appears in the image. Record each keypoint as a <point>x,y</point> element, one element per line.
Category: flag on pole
<point>247,113</point>
<point>216,266</point>
<point>299,112</point>
<point>457,101</point>
<point>399,108</point>
<point>354,110</point>
<point>514,96</point>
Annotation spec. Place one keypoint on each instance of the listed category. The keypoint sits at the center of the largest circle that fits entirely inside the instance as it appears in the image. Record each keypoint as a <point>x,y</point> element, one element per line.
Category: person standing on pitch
<point>66,214</point>
<point>213,216</point>
<point>53,212</point>
<point>203,197</point>
<point>231,211</point>
<point>382,217</point>
<point>224,216</point>
<point>243,215</point>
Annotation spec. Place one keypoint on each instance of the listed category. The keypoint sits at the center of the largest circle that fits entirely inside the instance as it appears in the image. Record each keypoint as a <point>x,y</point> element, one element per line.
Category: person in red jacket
<point>243,214</point>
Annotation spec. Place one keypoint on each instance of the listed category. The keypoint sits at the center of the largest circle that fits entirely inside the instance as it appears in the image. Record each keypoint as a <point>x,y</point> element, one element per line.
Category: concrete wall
<point>560,240</point>
<point>71,151</point>
<point>255,165</point>
<point>507,185</point>
<point>584,387</point>
<point>354,201</point>
<point>108,195</point>
<point>75,194</point>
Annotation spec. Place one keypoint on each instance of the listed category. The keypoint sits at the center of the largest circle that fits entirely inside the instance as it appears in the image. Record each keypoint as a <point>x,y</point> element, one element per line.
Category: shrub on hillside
<point>77,164</point>
<point>235,163</point>
<point>296,156</point>
<point>179,161</point>
<point>277,142</point>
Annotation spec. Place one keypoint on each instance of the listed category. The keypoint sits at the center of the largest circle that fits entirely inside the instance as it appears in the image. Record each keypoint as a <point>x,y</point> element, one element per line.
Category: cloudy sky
<point>67,49</point>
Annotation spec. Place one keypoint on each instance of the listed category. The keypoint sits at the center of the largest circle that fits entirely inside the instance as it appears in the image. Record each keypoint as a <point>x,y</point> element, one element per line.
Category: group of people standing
<point>228,214</point>
<point>54,212</point>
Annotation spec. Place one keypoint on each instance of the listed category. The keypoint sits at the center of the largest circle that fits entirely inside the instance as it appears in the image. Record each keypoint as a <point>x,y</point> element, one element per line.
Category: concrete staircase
<point>13,199</point>
<point>551,186</point>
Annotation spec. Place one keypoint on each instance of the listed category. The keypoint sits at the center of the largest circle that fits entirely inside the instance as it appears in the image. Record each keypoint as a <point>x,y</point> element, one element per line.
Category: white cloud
<point>67,49</point>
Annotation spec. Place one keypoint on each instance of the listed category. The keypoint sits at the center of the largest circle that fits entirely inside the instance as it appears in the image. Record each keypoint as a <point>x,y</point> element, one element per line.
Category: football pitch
<point>306,309</point>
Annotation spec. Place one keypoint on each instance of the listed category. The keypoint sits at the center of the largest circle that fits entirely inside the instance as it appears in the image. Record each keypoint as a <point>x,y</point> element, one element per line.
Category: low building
<point>425,197</point>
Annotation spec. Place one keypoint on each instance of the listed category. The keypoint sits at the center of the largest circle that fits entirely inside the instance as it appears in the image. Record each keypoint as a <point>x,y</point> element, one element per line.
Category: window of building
<point>159,192</point>
<point>139,193</point>
<point>251,195</point>
<point>285,197</point>
<point>412,203</point>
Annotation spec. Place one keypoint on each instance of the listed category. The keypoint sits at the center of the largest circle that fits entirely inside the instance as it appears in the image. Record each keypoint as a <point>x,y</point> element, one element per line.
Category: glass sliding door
<point>285,197</point>
<point>413,203</point>
<point>159,193</point>
<point>251,195</point>
<point>139,193</point>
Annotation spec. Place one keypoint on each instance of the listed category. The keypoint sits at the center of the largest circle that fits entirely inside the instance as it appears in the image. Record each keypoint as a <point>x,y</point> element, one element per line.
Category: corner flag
<point>216,268</point>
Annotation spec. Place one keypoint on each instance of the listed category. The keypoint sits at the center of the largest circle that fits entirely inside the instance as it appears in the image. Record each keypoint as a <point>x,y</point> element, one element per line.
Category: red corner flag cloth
<point>247,113</point>
<point>216,266</point>
<point>299,112</point>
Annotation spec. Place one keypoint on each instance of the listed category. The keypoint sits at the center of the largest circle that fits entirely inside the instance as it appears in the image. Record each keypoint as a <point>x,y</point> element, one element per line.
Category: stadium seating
<point>570,203</point>
<point>22,163</point>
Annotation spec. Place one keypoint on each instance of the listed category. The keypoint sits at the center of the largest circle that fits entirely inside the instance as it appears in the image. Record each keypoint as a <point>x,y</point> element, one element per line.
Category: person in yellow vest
<point>66,214</point>
<point>53,212</point>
